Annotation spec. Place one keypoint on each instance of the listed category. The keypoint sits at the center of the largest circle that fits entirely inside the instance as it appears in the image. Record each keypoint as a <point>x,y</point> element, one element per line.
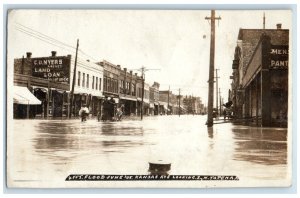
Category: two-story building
<point>50,80</point>
<point>260,76</point>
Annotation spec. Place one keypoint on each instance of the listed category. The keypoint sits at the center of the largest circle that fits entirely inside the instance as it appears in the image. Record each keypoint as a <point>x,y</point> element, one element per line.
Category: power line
<point>50,40</point>
<point>49,37</point>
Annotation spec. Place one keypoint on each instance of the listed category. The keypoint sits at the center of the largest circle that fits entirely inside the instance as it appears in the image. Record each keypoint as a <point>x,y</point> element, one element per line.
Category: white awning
<point>127,98</point>
<point>23,96</point>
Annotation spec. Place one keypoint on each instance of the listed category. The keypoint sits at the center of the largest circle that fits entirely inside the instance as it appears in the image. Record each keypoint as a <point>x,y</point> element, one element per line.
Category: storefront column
<point>68,106</point>
<point>48,101</point>
<point>250,99</point>
<point>265,82</point>
<point>247,102</point>
<point>62,104</point>
<point>265,98</point>
<point>256,96</point>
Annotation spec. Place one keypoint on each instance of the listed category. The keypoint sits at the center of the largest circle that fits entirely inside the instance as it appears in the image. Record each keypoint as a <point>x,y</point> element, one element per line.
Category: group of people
<point>108,113</point>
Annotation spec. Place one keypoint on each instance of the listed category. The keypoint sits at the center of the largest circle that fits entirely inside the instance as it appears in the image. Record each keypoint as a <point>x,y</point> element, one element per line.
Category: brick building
<point>50,79</point>
<point>260,76</point>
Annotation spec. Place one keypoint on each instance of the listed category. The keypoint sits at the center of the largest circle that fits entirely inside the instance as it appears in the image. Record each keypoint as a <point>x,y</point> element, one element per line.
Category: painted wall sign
<point>56,69</point>
<point>279,55</point>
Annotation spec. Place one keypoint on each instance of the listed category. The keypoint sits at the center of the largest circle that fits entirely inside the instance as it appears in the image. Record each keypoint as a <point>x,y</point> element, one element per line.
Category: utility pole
<point>73,81</point>
<point>209,121</point>
<point>217,89</point>
<point>143,70</point>
<point>168,100</point>
<point>264,22</point>
<point>179,103</point>
<point>143,86</point>
<point>220,101</point>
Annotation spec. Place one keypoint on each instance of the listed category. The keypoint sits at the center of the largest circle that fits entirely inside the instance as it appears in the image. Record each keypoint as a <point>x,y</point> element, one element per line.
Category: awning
<point>23,96</point>
<point>127,98</point>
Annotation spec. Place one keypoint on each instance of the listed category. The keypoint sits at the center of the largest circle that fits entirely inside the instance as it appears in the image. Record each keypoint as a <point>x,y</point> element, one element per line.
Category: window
<point>133,89</point>
<point>117,86</point>
<point>87,80</point>
<point>121,86</point>
<point>112,85</point>
<point>93,82</point>
<point>105,84</point>
<point>108,84</point>
<point>78,78</point>
<point>127,88</point>
<point>100,83</point>
<point>96,83</point>
<point>83,79</point>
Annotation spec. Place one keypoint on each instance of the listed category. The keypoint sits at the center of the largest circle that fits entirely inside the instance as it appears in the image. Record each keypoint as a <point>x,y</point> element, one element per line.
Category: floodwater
<point>42,153</point>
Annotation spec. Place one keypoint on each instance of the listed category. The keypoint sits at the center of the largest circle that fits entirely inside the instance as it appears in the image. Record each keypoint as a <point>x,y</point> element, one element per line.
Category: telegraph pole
<point>143,86</point>
<point>143,70</point>
<point>168,100</point>
<point>73,82</point>
<point>179,103</point>
<point>209,122</point>
<point>217,89</point>
<point>220,101</point>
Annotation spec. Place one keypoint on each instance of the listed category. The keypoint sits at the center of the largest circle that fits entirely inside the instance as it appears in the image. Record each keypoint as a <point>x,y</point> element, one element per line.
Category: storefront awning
<point>127,98</point>
<point>23,96</point>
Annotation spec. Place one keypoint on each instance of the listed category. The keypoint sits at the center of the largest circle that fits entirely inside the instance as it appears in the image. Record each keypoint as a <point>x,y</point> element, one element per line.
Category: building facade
<point>260,76</point>
<point>50,80</point>
<point>154,98</point>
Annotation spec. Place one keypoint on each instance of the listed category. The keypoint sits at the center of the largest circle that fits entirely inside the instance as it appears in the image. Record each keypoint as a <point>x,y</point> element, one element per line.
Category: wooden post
<point>209,122</point>
<point>48,101</point>
<point>168,100</point>
<point>179,103</point>
<point>143,85</point>
<point>73,82</point>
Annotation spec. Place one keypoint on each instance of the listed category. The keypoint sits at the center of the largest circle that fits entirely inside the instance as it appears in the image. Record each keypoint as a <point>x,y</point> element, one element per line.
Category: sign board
<point>279,55</point>
<point>56,69</point>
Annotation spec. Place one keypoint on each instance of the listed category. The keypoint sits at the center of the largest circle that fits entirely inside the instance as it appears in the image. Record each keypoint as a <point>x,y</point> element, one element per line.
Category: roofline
<point>242,29</point>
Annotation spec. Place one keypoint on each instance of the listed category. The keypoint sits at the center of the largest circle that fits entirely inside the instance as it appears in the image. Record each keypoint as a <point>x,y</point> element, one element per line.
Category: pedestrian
<point>224,114</point>
<point>119,114</point>
<point>83,113</point>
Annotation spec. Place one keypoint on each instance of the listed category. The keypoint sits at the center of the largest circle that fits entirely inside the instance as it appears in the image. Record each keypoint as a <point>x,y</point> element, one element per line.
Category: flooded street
<point>42,153</point>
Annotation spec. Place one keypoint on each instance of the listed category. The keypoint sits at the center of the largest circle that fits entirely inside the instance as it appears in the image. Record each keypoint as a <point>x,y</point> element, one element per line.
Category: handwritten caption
<point>91,177</point>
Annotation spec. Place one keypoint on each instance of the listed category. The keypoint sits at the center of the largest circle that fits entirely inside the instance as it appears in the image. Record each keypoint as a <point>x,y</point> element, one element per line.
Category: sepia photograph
<point>149,98</point>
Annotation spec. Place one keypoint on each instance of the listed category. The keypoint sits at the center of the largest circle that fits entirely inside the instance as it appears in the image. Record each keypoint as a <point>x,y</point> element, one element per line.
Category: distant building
<point>164,102</point>
<point>154,98</point>
<point>260,76</point>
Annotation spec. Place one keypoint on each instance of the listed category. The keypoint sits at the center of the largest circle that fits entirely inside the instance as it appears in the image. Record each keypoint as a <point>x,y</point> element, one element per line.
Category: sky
<point>173,44</point>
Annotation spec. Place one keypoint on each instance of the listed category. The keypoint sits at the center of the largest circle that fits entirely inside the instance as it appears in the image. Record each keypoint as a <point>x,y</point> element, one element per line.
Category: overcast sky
<point>176,42</point>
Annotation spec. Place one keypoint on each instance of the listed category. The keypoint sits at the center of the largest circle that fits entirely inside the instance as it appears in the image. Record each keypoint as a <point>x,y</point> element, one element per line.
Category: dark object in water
<point>159,168</point>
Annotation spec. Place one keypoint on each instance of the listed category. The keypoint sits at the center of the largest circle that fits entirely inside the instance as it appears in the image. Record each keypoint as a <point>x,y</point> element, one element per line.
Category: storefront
<point>130,105</point>
<point>24,103</point>
<point>265,85</point>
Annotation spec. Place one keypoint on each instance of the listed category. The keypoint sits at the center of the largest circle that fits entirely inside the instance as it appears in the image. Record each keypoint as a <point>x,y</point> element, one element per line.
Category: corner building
<point>260,76</point>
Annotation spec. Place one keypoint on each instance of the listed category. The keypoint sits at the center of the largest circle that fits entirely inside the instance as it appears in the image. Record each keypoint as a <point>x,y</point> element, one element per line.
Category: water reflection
<point>55,136</point>
<point>210,131</point>
<point>261,145</point>
<point>127,147</point>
